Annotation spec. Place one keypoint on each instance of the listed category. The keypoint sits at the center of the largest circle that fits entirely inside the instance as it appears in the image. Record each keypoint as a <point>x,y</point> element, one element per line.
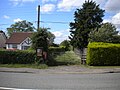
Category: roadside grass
<point>41,66</point>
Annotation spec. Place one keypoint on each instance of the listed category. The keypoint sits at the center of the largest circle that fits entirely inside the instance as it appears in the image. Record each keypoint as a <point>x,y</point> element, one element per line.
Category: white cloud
<point>47,8</point>
<point>17,20</point>
<point>61,35</point>
<point>57,33</point>
<point>106,20</point>
<point>17,2</point>
<point>112,5</point>
<point>67,5</point>
<point>6,17</point>
<point>45,1</point>
<point>116,20</point>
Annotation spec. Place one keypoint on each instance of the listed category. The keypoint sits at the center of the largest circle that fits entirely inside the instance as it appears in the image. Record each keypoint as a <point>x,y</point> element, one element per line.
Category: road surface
<point>60,81</point>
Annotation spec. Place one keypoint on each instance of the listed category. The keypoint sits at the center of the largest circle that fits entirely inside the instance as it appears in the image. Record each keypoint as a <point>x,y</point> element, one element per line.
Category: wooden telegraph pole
<point>38,22</point>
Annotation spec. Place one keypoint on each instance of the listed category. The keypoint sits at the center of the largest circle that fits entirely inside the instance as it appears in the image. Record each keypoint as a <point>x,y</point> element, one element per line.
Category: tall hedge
<point>103,54</point>
<point>17,57</point>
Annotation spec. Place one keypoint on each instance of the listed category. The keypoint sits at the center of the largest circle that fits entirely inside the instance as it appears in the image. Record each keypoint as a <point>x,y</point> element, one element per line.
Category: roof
<point>18,37</point>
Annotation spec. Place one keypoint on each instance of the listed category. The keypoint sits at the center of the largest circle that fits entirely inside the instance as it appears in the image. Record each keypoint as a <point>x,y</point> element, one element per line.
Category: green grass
<point>68,58</point>
<point>41,66</point>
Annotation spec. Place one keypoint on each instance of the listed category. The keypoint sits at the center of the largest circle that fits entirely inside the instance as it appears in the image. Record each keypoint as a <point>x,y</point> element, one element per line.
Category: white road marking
<point>5,88</point>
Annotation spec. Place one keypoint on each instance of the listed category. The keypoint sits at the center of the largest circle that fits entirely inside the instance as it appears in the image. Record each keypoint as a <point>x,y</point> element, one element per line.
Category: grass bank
<point>41,66</point>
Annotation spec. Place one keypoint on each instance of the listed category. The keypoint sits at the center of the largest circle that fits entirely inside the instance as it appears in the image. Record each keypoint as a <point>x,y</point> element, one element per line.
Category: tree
<point>106,33</point>
<point>21,26</point>
<point>42,38</point>
<point>86,19</point>
<point>66,44</point>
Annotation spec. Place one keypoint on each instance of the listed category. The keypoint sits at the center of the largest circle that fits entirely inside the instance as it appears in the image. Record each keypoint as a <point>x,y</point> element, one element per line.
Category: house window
<point>14,46</point>
<point>8,45</point>
<point>25,47</point>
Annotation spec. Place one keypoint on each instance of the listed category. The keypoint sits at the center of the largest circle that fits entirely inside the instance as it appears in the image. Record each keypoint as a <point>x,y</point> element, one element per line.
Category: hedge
<point>24,57</point>
<point>103,54</point>
<point>17,57</point>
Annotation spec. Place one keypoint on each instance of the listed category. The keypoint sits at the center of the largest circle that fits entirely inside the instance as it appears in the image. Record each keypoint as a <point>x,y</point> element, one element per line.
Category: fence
<point>82,53</point>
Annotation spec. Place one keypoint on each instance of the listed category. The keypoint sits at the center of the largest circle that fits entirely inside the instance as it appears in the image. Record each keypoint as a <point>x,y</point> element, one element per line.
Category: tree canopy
<point>42,38</point>
<point>21,26</point>
<point>86,19</point>
<point>105,33</point>
<point>66,44</point>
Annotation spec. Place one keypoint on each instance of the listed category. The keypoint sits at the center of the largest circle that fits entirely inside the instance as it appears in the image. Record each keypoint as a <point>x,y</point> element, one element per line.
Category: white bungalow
<point>19,40</point>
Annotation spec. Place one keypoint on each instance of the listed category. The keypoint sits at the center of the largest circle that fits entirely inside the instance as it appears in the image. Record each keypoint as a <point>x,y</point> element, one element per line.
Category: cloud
<point>67,5</point>
<point>17,20</point>
<point>61,35</point>
<point>57,33</point>
<point>47,8</point>
<point>6,17</point>
<point>19,2</point>
<point>116,20</point>
<point>112,5</point>
<point>45,1</point>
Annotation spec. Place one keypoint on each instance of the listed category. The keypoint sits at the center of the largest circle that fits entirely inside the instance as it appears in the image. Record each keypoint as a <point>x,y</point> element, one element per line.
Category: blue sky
<point>52,11</point>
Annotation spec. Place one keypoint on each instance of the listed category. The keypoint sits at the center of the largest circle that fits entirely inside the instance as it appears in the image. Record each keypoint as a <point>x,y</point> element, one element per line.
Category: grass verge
<point>41,66</point>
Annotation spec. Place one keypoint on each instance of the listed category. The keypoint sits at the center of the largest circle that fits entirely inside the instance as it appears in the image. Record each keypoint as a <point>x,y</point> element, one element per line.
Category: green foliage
<point>39,39</point>
<point>56,49</point>
<point>105,33</point>
<point>41,66</point>
<point>86,19</point>
<point>68,58</point>
<point>116,39</point>
<point>17,57</point>
<point>58,56</point>
<point>66,44</point>
<point>103,54</point>
<point>21,26</point>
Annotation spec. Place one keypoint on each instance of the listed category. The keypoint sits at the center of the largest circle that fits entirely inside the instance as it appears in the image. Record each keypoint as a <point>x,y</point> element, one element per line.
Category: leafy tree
<point>51,38</point>
<point>105,33</point>
<point>42,38</point>
<point>66,44</point>
<point>21,26</point>
<point>86,19</point>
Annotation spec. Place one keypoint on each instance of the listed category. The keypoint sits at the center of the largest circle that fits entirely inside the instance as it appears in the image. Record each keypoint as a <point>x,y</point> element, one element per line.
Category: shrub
<point>68,58</point>
<point>17,57</point>
<point>103,54</point>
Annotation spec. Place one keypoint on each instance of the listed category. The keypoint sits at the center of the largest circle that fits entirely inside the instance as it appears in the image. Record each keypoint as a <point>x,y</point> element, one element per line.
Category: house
<point>19,40</point>
<point>2,39</point>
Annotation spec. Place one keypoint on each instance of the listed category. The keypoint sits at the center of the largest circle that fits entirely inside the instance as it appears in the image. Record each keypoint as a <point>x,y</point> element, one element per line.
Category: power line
<point>58,22</point>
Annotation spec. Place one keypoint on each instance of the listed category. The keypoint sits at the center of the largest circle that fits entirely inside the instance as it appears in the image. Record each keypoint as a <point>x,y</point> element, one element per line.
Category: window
<point>25,47</point>
<point>14,45</point>
<point>8,45</point>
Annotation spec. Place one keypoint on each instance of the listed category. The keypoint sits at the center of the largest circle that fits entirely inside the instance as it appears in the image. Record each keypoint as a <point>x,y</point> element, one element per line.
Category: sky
<point>54,14</point>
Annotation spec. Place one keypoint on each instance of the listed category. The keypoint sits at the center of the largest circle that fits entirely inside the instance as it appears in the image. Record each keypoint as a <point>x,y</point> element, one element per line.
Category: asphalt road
<point>108,81</point>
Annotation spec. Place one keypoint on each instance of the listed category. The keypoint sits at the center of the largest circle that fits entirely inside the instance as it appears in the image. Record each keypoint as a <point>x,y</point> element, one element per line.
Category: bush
<point>17,57</point>
<point>68,58</point>
<point>56,49</point>
<point>103,54</point>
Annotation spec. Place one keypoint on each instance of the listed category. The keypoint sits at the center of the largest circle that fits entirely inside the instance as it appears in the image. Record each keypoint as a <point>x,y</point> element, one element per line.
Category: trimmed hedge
<point>103,54</point>
<point>17,57</point>
<point>25,57</point>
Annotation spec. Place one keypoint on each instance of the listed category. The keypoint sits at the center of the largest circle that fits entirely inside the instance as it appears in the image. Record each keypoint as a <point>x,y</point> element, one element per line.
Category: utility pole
<point>38,22</point>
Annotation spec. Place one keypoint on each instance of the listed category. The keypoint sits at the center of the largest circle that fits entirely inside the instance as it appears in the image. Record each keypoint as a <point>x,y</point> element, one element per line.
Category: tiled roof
<point>18,37</point>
